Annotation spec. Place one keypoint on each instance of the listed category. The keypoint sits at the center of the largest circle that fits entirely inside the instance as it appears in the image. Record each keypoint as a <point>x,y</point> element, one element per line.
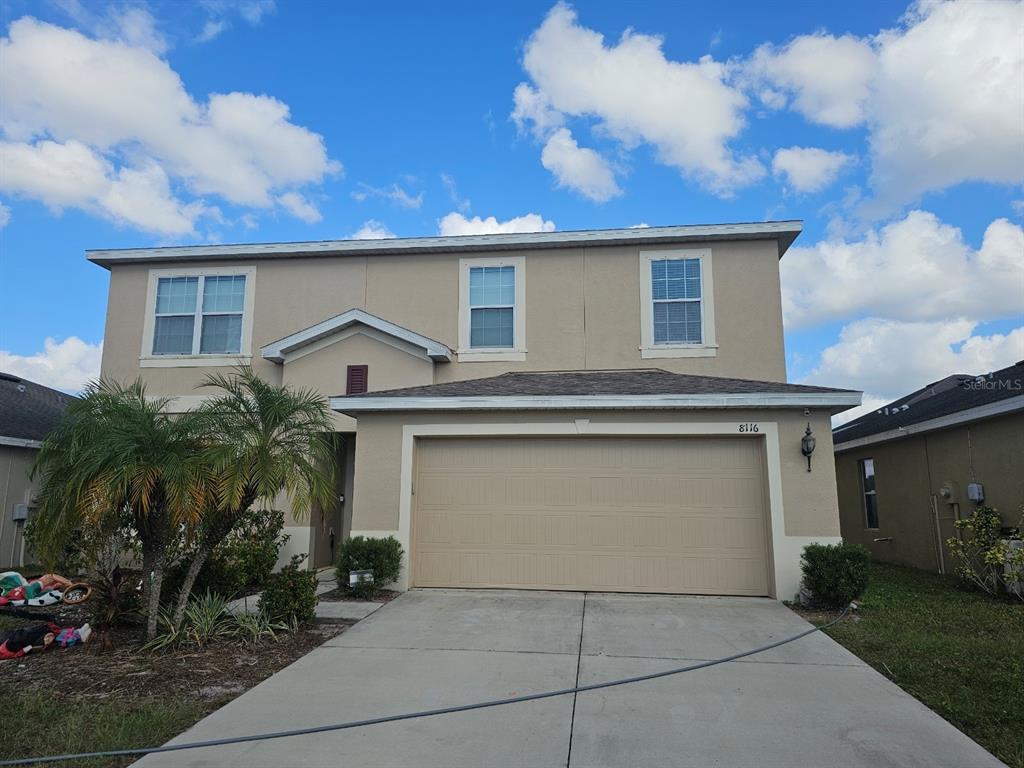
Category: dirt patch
<point>341,596</point>
<point>215,673</point>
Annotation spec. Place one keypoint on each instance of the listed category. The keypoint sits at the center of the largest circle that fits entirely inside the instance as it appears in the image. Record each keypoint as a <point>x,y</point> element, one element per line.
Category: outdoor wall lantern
<point>807,445</point>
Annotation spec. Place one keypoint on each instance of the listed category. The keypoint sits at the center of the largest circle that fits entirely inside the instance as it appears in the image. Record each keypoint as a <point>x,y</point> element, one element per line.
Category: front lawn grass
<point>49,725</point>
<point>958,651</point>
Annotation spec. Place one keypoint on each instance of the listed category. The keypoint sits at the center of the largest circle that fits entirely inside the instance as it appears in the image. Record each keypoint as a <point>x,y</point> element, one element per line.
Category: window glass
<point>221,334</point>
<point>676,296</point>
<point>491,327</point>
<point>492,298</point>
<point>224,294</point>
<point>173,335</point>
<point>867,473</point>
<point>176,295</point>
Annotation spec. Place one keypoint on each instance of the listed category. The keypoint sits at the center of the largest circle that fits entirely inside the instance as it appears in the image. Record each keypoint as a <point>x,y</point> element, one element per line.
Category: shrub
<point>290,594</point>
<point>984,556</point>
<point>251,628</point>
<point>835,573</point>
<point>382,557</point>
<point>239,565</point>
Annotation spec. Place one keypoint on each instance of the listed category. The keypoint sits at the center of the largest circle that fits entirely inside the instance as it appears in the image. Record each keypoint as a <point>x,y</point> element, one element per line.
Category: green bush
<point>835,574</point>
<point>239,565</point>
<point>983,554</point>
<point>290,594</point>
<point>382,557</point>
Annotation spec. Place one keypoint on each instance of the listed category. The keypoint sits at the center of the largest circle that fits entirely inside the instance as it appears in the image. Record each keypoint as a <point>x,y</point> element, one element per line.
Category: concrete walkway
<point>809,703</point>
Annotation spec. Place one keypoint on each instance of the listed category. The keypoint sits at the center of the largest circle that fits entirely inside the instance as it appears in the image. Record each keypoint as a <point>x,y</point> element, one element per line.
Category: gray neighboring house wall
<point>28,411</point>
<point>923,451</point>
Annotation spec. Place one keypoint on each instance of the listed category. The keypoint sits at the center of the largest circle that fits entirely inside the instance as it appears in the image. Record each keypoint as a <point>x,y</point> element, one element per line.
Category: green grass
<point>960,652</point>
<point>46,725</point>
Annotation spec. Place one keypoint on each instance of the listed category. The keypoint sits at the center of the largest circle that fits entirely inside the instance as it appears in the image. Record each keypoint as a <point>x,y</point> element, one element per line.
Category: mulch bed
<point>341,596</point>
<point>214,673</point>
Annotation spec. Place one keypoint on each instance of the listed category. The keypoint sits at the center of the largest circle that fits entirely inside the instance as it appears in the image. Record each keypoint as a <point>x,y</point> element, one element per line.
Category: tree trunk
<point>153,602</point>
<point>198,561</point>
<point>148,561</point>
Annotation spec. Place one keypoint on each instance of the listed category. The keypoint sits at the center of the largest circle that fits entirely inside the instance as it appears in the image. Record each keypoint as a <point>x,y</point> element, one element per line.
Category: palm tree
<point>260,440</point>
<point>118,456</point>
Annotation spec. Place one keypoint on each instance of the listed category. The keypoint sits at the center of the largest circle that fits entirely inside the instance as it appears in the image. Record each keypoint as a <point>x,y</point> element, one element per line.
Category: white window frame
<point>708,347</point>
<point>146,357</point>
<point>517,352</point>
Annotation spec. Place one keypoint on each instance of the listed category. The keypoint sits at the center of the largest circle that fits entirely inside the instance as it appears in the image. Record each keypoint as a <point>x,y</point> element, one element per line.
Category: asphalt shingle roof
<point>651,381</point>
<point>28,411</point>
<point>952,394</point>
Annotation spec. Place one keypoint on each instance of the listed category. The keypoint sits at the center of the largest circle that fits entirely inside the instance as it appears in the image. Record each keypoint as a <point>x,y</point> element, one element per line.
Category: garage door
<point>683,515</point>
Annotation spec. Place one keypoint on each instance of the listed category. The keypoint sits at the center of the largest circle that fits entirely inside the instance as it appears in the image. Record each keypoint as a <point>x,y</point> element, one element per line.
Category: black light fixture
<point>807,445</point>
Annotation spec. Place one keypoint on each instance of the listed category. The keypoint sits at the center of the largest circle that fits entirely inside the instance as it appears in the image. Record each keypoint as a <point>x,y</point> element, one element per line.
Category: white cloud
<point>221,13</point>
<point>917,268</point>
<point>299,207</point>
<point>686,110</point>
<point>579,168</point>
<point>253,11</point>
<point>394,193</point>
<point>463,204</point>
<point>124,105</point>
<point>5,215</point>
<point>940,94</point>
<point>829,77</point>
<point>66,365</point>
<point>809,169</point>
<point>373,230</point>
<point>211,30</point>
<point>891,358</point>
<point>73,175</point>
<point>457,224</point>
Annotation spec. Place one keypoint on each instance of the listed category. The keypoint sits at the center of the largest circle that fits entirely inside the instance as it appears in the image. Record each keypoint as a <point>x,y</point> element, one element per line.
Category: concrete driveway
<point>809,703</point>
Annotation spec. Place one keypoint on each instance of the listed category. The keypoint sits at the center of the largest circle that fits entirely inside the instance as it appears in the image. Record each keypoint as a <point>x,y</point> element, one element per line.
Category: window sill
<point>681,350</point>
<point>193,361</point>
<point>491,355</point>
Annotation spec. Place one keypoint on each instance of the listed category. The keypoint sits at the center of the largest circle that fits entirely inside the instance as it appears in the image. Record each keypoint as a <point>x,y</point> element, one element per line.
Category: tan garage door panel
<point>682,515</point>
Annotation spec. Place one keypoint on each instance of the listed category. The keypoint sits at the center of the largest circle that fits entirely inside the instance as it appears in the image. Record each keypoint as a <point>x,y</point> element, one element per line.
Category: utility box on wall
<point>19,513</point>
<point>976,492</point>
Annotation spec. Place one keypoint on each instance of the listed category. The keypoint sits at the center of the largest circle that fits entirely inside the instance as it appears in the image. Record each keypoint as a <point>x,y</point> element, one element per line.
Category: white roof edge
<point>998,408</point>
<point>840,401</point>
<point>20,442</point>
<point>784,231</point>
<point>279,350</point>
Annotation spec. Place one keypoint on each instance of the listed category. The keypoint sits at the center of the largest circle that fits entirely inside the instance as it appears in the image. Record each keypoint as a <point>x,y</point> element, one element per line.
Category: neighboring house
<point>28,412</point>
<point>593,410</point>
<point>906,471</point>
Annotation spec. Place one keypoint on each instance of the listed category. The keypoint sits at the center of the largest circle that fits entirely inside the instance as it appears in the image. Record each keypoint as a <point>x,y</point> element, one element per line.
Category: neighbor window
<point>867,481</point>
<point>492,307</point>
<point>676,301</point>
<point>199,315</point>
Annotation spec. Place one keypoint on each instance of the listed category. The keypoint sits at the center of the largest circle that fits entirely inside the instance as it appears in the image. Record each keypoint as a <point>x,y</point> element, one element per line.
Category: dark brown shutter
<point>356,379</point>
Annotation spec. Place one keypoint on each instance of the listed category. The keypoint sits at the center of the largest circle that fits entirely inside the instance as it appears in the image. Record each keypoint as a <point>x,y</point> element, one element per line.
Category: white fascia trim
<point>20,442</point>
<point>279,351</point>
<point>1009,405</point>
<point>784,232</point>
<point>838,400</point>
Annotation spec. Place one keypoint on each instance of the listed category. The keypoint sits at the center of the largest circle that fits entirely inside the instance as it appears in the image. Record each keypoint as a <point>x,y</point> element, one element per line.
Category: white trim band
<point>1009,405</point>
<point>20,442</point>
<point>279,351</point>
<point>840,401</point>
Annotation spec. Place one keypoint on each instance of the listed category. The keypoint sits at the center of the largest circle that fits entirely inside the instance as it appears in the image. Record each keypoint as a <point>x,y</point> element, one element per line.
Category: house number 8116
<point>749,428</point>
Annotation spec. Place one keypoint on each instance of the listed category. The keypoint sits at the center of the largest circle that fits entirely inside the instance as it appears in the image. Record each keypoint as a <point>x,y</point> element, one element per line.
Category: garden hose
<point>424,713</point>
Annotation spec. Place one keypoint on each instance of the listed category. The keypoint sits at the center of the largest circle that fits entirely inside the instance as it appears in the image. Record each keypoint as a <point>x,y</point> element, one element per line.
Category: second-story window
<point>676,301</point>
<point>199,315</point>
<point>492,307</point>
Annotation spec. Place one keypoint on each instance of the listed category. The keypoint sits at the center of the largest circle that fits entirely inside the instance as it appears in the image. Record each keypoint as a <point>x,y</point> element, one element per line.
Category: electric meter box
<point>976,492</point>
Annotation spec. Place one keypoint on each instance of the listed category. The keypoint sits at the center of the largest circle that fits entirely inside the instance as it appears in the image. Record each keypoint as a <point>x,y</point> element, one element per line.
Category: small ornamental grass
<point>835,574</point>
<point>382,557</point>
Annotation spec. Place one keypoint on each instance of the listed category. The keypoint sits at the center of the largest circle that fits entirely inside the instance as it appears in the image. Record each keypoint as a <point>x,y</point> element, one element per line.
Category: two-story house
<point>592,410</point>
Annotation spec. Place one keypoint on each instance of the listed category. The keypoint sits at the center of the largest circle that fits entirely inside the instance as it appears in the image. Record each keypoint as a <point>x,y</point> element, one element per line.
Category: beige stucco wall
<point>15,488</point>
<point>910,471</point>
<point>582,310</point>
<point>810,508</point>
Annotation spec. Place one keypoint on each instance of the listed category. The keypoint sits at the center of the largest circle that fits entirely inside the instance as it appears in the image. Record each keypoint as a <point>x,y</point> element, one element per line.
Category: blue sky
<point>900,144</point>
